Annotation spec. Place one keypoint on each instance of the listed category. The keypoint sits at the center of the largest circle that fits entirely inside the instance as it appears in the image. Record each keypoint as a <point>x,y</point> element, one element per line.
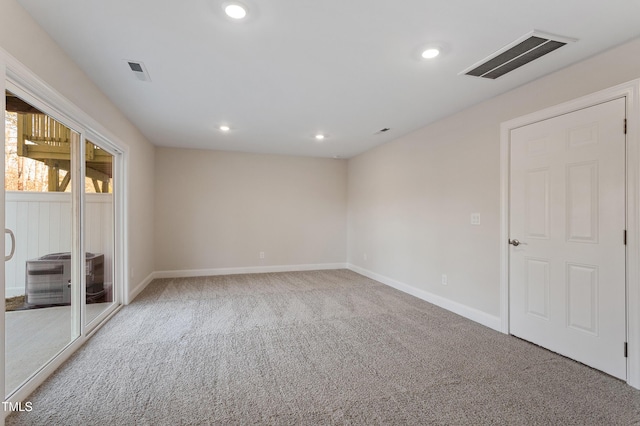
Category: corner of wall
<point>135,291</point>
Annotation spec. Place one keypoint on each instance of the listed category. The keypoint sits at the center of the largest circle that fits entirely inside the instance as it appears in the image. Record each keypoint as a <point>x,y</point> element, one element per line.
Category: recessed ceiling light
<point>319,136</point>
<point>430,53</point>
<point>235,10</point>
<point>224,128</point>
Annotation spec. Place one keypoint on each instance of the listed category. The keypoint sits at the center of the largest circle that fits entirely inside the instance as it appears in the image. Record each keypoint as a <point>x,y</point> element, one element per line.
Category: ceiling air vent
<point>139,70</point>
<point>522,51</point>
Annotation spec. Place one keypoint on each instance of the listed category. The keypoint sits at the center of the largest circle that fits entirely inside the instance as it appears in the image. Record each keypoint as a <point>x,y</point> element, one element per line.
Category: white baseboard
<point>141,286</point>
<point>247,270</point>
<point>455,307</point>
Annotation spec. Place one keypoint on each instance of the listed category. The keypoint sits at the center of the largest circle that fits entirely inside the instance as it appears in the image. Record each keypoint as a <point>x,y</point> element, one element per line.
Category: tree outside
<point>27,174</point>
<point>21,174</point>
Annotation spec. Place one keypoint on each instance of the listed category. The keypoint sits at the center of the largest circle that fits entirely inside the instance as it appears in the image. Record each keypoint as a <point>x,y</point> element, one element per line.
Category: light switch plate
<point>475,218</point>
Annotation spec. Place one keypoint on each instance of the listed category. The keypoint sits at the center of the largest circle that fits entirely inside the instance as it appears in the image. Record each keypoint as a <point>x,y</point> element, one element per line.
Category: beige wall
<point>410,200</point>
<point>220,209</point>
<point>22,38</point>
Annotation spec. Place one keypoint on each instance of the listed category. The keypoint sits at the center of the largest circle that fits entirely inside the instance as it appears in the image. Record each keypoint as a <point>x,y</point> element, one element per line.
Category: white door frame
<point>13,72</point>
<point>631,92</point>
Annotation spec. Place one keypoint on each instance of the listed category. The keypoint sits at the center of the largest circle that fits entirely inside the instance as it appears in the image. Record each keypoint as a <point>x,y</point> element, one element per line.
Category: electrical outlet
<point>364,256</point>
<point>261,255</point>
<point>475,218</point>
<point>444,279</point>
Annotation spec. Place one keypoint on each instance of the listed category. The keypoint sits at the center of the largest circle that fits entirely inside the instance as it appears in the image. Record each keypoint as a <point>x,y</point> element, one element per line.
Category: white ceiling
<point>292,68</point>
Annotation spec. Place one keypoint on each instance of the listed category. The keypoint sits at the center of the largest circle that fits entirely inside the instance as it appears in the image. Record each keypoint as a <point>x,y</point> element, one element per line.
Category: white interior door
<point>567,211</point>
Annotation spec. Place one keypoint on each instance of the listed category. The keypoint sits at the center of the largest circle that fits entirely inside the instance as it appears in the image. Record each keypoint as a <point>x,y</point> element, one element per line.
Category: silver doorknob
<point>514,243</point>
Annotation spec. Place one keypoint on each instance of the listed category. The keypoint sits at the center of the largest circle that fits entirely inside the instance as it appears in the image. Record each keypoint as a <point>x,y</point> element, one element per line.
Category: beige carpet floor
<point>321,347</point>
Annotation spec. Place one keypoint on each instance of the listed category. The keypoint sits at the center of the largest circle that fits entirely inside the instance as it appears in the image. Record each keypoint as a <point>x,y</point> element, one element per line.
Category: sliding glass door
<point>60,242</point>
<point>99,230</point>
<point>40,311</point>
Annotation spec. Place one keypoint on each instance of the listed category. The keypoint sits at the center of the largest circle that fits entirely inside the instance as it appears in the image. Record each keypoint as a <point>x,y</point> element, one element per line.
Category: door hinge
<point>626,350</point>
<point>625,237</point>
<point>625,126</point>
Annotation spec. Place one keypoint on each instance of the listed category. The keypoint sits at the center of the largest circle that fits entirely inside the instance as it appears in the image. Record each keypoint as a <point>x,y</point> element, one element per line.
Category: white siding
<point>41,223</point>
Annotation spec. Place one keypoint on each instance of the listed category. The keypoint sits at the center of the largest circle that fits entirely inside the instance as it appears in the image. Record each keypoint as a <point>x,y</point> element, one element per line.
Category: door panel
<point>582,297</point>
<point>582,202</point>
<point>537,208</point>
<point>41,316</point>
<point>567,208</point>
<point>536,281</point>
<point>99,230</point>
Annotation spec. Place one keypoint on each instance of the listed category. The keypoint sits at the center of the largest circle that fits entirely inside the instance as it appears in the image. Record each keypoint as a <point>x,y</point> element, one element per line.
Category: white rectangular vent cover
<point>522,51</point>
<point>139,70</point>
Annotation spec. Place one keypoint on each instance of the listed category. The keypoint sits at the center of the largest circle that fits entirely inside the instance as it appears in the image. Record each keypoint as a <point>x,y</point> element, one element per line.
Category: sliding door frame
<point>118,188</point>
<point>17,78</point>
